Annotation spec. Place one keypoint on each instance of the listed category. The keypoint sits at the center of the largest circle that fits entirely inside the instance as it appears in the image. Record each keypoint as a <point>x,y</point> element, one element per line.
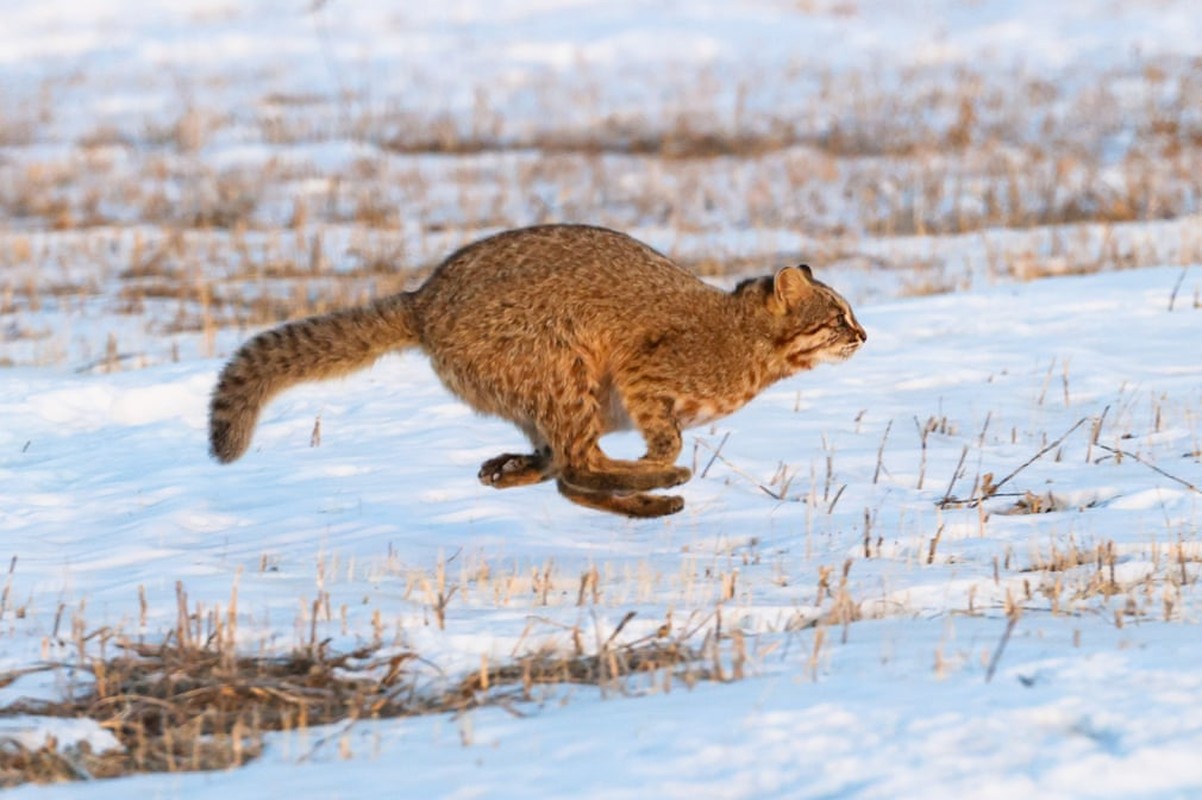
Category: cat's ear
<point>791,286</point>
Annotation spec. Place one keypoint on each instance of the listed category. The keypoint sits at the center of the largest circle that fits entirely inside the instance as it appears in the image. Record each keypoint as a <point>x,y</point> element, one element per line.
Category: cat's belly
<point>614,413</point>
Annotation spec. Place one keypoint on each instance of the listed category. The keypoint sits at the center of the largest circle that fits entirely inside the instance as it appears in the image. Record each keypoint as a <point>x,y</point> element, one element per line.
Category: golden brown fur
<point>569,332</point>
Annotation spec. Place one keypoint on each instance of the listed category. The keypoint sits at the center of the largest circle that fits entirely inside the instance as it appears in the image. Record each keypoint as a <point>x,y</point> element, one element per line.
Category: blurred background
<point>170,178</point>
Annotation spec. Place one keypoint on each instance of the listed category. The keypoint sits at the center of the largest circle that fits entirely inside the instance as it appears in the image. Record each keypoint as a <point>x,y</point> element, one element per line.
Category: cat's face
<point>810,322</point>
<point>837,332</point>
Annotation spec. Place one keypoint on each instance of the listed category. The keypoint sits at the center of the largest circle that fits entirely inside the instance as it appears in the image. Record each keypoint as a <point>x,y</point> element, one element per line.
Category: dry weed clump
<point>1046,503</point>
<point>186,707</point>
<point>1071,575</point>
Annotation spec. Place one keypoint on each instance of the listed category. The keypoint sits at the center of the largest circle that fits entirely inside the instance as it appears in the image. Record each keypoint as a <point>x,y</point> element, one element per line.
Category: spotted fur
<point>569,332</point>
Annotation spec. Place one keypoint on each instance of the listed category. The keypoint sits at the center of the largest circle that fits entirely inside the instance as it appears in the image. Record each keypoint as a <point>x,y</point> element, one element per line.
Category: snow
<point>32,732</point>
<point>113,493</point>
<point>107,494</point>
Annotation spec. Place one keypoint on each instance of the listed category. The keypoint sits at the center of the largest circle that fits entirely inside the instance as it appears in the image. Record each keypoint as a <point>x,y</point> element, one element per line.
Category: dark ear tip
<point>805,268</point>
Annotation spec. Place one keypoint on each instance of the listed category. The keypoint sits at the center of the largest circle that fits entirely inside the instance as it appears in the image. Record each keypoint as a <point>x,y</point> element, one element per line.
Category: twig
<point>9,676</point>
<point>1047,379</point>
<point>687,633</point>
<point>1151,466</point>
<point>629,616</point>
<point>1094,433</point>
<point>739,472</point>
<point>714,457</point>
<point>1041,453</point>
<point>947,496</point>
<point>1011,621</point>
<point>880,453</point>
<point>1177,286</point>
<point>934,545</point>
<point>323,741</point>
<point>107,360</point>
<point>974,502</point>
<point>923,433</point>
<point>831,508</point>
<point>8,586</point>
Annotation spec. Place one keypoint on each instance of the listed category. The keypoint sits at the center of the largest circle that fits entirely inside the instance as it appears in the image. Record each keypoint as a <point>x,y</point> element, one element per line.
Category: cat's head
<point>809,322</point>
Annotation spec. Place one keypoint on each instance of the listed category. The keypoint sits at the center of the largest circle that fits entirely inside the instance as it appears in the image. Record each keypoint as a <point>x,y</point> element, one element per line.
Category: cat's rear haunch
<point>570,332</point>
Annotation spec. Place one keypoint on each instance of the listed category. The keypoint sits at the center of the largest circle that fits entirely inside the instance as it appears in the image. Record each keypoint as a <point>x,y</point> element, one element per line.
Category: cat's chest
<point>689,410</point>
<point>692,411</point>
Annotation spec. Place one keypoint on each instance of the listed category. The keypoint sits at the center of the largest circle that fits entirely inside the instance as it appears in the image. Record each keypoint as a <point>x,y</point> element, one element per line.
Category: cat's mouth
<point>835,355</point>
<point>837,346</point>
<point>839,349</point>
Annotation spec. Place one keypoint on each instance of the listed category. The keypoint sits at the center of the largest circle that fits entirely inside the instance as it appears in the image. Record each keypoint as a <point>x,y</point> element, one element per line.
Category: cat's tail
<point>312,349</point>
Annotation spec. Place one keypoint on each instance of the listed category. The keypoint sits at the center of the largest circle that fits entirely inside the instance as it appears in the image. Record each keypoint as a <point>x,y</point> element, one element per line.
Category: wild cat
<point>570,332</point>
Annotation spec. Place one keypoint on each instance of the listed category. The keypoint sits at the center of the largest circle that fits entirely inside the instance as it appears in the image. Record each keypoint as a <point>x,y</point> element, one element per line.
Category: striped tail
<point>311,349</point>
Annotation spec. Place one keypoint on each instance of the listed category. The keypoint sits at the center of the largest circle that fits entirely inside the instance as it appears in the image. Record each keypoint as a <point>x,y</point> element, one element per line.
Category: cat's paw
<point>511,469</point>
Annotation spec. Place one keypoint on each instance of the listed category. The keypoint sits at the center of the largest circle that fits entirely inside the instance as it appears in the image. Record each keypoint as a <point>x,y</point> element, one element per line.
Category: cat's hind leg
<point>604,474</point>
<point>637,504</point>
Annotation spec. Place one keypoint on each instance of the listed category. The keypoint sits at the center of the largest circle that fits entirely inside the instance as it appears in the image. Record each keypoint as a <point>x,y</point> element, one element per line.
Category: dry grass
<point>147,219</point>
<point>182,707</point>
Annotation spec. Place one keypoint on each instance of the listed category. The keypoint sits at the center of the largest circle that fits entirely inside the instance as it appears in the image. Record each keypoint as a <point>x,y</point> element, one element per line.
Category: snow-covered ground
<point>108,501</point>
<point>107,490</point>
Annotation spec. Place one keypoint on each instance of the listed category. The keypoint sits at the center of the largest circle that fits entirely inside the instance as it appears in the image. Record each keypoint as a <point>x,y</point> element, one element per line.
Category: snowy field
<point>963,564</point>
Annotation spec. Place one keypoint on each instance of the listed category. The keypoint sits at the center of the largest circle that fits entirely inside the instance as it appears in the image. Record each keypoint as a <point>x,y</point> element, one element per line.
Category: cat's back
<point>579,264</point>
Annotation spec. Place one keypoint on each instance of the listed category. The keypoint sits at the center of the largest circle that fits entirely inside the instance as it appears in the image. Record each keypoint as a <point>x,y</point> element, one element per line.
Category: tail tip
<point>226,444</point>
